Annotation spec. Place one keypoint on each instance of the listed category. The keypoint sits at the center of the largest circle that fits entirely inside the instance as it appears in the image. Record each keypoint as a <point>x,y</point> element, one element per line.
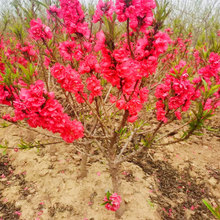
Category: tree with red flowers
<point>114,71</point>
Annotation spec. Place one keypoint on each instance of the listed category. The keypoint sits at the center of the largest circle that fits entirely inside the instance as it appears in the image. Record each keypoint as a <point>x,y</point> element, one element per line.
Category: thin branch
<point>107,95</point>
<point>94,112</point>
<point>125,146</point>
<point>182,126</point>
<point>128,39</point>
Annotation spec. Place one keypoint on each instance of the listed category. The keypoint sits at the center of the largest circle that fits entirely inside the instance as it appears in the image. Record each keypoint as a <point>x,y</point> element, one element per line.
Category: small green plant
<point>214,211</point>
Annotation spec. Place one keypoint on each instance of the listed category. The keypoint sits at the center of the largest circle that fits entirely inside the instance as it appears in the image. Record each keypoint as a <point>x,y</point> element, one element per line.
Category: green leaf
<point>213,90</point>
<point>114,17</point>
<point>184,134</point>
<point>108,194</point>
<point>215,212</point>
<point>41,3</point>
<point>198,133</point>
<point>4,152</point>
<point>205,85</point>
<point>150,203</point>
<point>172,74</point>
<point>176,71</point>
<point>5,125</point>
<point>183,69</point>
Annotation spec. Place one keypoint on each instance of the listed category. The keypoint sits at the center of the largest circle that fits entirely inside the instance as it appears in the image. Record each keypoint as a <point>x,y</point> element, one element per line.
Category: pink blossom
<point>161,43</point>
<point>100,42</point>
<point>54,11</point>
<point>74,18</point>
<point>88,64</point>
<point>3,176</point>
<point>18,213</point>
<point>39,31</point>
<point>4,95</point>
<point>68,78</point>
<point>178,115</point>
<point>94,85</point>
<point>138,11</point>
<point>103,8</point>
<point>132,118</point>
<point>113,203</point>
<point>67,49</point>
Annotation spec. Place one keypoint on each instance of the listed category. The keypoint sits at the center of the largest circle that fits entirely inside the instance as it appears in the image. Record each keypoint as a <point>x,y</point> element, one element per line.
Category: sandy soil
<point>165,183</point>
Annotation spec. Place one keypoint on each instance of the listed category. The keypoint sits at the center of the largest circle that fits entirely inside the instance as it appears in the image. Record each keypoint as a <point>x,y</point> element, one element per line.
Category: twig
<point>128,39</point>
<point>94,112</point>
<point>107,95</point>
<point>125,146</point>
<point>172,131</point>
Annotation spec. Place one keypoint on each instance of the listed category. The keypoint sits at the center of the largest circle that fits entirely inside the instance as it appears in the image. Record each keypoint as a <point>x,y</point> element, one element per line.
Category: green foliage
<point>42,4</point>
<point>4,125</point>
<point>151,204</point>
<point>214,211</point>
<point>9,77</point>
<point>162,11</point>
<point>18,30</point>
<point>27,145</point>
<point>209,92</point>
<point>108,194</point>
<point>5,147</point>
<point>24,73</point>
<point>197,123</point>
<point>109,32</point>
<point>122,131</point>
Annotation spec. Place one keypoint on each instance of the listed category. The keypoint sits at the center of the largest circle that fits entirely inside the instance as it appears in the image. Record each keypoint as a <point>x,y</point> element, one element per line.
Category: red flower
<point>39,31</point>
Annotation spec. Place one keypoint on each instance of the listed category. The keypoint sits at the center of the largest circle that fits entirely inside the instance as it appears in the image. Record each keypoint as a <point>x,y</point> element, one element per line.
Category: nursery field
<point>109,110</point>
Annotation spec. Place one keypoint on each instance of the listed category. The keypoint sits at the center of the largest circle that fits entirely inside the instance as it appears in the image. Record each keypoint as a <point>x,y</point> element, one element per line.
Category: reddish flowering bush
<point>109,78</point>
<point>42,110</point>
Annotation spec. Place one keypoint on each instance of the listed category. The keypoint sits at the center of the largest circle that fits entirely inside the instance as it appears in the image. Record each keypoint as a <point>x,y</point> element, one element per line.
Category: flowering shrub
<point>113,71</point>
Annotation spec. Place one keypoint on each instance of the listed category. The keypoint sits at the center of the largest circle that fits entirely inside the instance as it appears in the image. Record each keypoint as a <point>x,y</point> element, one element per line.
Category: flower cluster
<point>210,73</point>
<point>4,95</point>
<point>74,17</point>
<point>89,64</point>
<point>69,79</point>
<point>139,12</point>
<point>54,11</point>
<point>112,202</point>
<point>93,85</point>
<point>103,8</point>
<point>66,49</point>
<point>126,73</point>
<point>212,70</point>
<point>2,66</point>
<point>41,109</point>
<point>175,93</point>
<point>39,31</point>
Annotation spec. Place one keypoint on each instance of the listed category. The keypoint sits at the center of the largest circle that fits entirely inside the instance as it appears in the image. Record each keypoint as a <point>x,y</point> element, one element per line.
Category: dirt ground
<point>168,182</point>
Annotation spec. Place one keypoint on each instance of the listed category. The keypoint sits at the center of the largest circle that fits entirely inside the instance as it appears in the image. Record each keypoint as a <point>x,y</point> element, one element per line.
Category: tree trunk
<point>116,184</point>
<point>83,169</point>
